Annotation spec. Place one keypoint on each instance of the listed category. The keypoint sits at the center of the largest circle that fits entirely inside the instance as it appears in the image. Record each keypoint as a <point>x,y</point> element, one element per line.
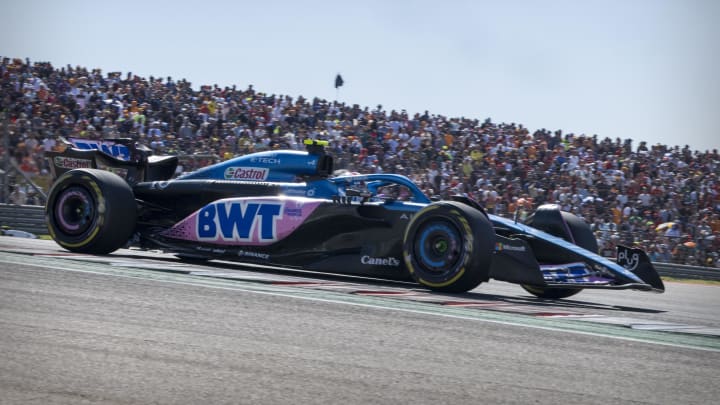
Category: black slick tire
<point>91,211</point>
<point>448,247</point>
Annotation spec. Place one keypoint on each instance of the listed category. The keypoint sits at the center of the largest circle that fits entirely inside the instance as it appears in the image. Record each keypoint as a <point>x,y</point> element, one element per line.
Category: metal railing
<point>687,272</point>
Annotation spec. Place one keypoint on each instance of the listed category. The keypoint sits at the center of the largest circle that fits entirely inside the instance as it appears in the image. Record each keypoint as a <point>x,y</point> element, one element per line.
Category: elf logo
<point>243,221</point>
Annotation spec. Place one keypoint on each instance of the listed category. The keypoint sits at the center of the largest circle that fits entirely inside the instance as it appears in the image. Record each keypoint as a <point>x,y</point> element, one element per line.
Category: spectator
<point>18,196</point>
<point>624,192</point>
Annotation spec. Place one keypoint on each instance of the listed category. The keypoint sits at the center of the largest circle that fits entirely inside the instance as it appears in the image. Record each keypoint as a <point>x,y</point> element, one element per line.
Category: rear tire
<point>91,211</point>
<point>569,227</point>
<point>448,247</point>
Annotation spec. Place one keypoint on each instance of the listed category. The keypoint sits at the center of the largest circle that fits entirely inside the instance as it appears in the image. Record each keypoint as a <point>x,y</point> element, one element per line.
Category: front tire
<point>91,211</point>
<point>448,247</point>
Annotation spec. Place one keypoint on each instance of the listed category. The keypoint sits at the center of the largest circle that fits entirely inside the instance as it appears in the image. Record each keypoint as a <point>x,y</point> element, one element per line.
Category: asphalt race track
<point>144,327</point>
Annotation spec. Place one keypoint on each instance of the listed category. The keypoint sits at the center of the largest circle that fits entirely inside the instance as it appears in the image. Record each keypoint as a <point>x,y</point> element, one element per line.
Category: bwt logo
<point>238,221</point>
<point>119,151</point>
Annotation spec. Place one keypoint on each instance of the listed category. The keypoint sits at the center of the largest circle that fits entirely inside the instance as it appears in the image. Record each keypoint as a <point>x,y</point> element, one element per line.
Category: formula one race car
<point>284,208</point>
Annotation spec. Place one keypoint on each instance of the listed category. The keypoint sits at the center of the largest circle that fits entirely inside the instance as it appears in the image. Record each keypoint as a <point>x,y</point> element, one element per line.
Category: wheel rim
<point>439,247</point>
<point>75,211</point>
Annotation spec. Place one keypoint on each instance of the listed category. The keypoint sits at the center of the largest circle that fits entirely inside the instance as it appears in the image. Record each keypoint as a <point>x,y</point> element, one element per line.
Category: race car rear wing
<point>141,165</point>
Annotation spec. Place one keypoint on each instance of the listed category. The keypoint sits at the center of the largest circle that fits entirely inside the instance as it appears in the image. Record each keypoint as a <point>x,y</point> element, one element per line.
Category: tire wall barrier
<point>691,272</point>
<point>28,218</point>
<point>31,218</point>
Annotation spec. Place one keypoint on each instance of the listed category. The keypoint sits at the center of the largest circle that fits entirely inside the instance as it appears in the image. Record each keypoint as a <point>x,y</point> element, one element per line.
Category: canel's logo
<point>380,261</point>
<point>239,221</point>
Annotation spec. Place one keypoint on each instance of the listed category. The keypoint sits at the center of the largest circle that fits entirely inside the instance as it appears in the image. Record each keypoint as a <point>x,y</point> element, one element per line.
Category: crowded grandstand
<point>664,199</point>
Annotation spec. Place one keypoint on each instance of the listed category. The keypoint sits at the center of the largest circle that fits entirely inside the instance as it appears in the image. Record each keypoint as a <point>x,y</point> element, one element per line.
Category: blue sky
<point>641,69</point>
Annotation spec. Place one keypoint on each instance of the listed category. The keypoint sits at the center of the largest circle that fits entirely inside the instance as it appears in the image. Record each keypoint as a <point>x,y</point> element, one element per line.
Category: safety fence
<point>31,218</point>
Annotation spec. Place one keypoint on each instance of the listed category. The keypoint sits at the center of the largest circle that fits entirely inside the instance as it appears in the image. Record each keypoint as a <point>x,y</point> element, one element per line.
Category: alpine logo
<point>239,221</point>
<point>380,261</point>
<point>247,173</point>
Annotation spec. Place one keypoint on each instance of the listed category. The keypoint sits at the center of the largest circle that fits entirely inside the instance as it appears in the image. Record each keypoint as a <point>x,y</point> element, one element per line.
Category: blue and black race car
<point>285,208</point>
